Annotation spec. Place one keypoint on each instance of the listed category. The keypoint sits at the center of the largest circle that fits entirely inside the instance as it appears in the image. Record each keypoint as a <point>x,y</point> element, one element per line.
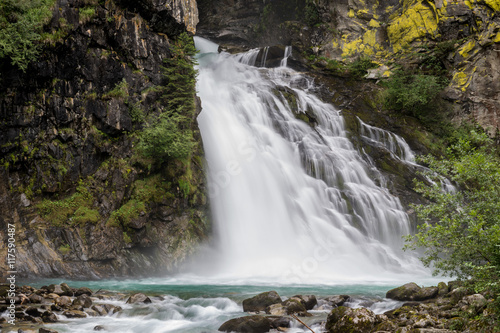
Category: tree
<point>21,23</point>
<point>180,76</point>
<point>461,233</point>
<point>170,136</point>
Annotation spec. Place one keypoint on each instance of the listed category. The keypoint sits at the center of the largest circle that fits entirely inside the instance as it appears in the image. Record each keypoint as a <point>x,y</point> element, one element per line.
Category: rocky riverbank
<point>444,308</point>
<point>440,309</point>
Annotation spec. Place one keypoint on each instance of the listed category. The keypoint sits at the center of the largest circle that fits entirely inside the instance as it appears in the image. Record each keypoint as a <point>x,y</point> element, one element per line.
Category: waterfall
<point>291,202</point>
<point>396,145</point>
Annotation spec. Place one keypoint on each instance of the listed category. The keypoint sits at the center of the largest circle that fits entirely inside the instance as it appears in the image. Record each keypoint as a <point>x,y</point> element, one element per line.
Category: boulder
<point>342,319</point>
<point>254,324</point>
<point>99,309</point>
<point>426,293</point>
<point>68,291</point>
<point>110,308</point>
<point>99,328</point>
<point>35,320</point>
<point>442,289</point>
<point>32,311</point>
<point>475,302</point>
<point>55,289</point>
<point>261,301</point>
<point>279,322</point>
<point>406,292</point>
<point>75,314</point>
<point>83,291</point>
<point>63,302</point>
<point>35,299</point>
<point>309,301</point>
<point>83,301</point>
<point>277,309</point>
<point>138,298</point>
<point>337,300</point>
<point>457,294</point>
<point>49,317</point>
<point>46,330</point>
<point>52,296</point>
<point>452,285</point>
<point>412,292</point>
<point>91,313</point>
<point>250,324</point>
<point>294,305</point>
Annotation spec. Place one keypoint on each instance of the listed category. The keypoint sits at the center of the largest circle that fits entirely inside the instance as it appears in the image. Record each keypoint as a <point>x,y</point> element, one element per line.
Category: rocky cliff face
<point>84,202</point>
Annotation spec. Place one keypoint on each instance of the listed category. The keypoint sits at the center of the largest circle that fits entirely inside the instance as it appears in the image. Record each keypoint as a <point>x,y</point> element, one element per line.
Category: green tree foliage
<point>166,139</point>
<point>170,135</point>
<point>412,93</point>
<point>180,76</point>
<point>21,23</point>
<point>461,235</point>
<point>311,13</point>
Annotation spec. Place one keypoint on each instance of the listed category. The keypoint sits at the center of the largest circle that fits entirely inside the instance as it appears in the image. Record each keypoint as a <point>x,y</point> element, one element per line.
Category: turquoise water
<point>184,289</point>
<point>190,306</point>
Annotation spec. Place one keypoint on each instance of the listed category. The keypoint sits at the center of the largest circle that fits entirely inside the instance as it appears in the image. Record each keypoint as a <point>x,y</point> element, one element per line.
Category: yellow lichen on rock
<point>366,44</point>
<point>497,38</point>
<point>468,4</point>
<point>465,49</point>
<point>369,38</point>
<point>416,22</point>
<point>462,79</point>
<point>335,44</point>
<point>353,47</point>
<point>373,24</point>
<point>494,4</point>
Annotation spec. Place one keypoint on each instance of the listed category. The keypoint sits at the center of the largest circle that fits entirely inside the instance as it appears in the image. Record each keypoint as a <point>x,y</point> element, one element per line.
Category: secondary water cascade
<point>292,202</point>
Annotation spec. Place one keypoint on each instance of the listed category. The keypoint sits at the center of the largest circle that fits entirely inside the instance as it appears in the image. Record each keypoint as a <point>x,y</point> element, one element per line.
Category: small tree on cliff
<point>21,23</point>
<point>170,135</point>
<point>465,240</point>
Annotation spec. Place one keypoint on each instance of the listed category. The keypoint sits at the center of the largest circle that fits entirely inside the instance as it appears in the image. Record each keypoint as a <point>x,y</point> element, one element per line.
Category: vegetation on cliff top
<point>21,23</point>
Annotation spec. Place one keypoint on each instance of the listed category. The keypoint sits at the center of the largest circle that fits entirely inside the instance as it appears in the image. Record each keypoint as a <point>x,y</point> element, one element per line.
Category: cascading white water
<point>291,203</point>
<point>400,150</point>
<point>396,145</point>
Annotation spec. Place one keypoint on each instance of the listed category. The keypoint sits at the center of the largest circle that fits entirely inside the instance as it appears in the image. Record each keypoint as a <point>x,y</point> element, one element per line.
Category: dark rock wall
<point>68,127</point>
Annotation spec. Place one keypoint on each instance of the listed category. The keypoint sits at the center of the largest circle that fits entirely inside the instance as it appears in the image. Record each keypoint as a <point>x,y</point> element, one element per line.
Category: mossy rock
<point>347,320</point>
<point>405,292</point>
<point>261,301</point>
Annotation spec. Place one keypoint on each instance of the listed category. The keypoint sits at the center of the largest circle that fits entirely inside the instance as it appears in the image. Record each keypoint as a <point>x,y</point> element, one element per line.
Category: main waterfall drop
<point>291,202</point>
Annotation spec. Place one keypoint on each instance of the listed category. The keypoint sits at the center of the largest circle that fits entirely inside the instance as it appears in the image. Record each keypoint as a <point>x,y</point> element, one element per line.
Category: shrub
<point>411,93</point>
<point>311,13</point>
<point>136,113</point>
<point>144,192</point>
<point>166,139</point>
<point>75,209</point>
<point>21,23</point>
<point>126,238</point>
<point>64,249</point>
<point>86,14</point>
<point>119,91</point>
<point>360,66</point>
